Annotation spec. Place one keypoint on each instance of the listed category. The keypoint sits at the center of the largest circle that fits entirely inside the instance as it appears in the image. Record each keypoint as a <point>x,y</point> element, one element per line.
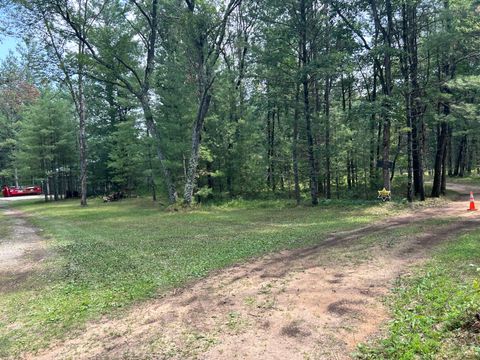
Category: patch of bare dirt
<point>316,303</point>
<point>295,329</point>
<point>22,252</point>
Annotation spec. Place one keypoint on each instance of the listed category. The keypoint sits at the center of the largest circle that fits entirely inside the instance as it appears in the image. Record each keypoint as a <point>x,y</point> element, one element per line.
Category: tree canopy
<point>305,99</point>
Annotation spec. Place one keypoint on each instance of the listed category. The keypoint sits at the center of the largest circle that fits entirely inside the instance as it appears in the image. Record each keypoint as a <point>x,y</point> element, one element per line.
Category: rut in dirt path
<point>316,303</point>
<point>22,251</point>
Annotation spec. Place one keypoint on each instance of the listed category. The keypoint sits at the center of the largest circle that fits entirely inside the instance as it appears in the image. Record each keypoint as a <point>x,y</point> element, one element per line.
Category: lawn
<point>473,179</point>
<point>108,256</point>
<point>433,310</point>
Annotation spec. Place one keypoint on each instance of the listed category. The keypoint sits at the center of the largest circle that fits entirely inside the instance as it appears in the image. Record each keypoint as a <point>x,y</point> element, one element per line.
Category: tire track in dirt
<point>316,303</point>
<point>22,251</point>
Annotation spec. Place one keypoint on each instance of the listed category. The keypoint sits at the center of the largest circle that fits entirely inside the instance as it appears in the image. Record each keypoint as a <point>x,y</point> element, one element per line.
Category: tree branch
<point>144,13</point>
<point>78,33</point>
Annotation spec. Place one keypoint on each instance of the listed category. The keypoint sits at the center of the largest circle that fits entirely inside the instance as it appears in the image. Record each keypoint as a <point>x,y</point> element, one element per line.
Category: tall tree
<point>134,74</point>
<point>207,34</point>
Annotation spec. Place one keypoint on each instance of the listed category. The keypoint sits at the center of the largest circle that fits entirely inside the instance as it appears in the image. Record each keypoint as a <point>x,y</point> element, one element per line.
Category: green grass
<point>108,256</point>
<point>473,179</point>
<point>432,310</point>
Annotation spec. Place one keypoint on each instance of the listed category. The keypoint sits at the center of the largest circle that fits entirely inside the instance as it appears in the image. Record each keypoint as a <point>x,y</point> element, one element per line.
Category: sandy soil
<point>314,303</point>
<point>22,252</point>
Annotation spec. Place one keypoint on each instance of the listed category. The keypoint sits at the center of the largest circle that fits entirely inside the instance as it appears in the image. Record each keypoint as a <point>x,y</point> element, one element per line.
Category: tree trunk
<point>397,154</point>
<point>295,145</point>
<point>386,152</point>
<point>404,65</point>
<point>471,152</point>
<point>16,177</point>
<point>271,183</point>
<point>416,106</point>
<point>49,187</point>
<point>387,84</point>
<point>461,172</point>
<point>151,178</point>
<point>460,155</point>
<point>306,103</point>
<point>205,58</point>
<point>328,185</point>
<point>196,140</point>
<point>82,128</point>
<point>349,172</point>
<point>450,152</point>
<point>387,63</point>
<point>45,188</point>
<point>439,170</point>
<point>409,152</point>
<point>55,185</point>
<point>443,186</point>
<point>373,122</point>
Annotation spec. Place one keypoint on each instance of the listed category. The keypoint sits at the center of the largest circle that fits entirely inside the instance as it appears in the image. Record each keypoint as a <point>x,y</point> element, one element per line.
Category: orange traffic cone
<point>472,203</point>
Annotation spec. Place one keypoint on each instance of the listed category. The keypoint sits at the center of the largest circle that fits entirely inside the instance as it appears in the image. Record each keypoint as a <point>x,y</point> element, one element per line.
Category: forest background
<point>198,100</point>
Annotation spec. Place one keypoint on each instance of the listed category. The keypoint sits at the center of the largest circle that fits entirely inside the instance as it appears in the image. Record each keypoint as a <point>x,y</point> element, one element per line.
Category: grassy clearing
<point>434,309</point>
<point>108,256</point>
<point>473,179</point>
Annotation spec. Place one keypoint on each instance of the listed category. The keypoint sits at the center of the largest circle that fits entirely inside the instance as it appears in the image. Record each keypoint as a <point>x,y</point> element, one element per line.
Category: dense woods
<point>195,100</point>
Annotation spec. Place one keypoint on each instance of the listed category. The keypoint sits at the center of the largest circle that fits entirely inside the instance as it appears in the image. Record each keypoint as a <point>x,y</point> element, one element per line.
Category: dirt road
<point>6,200</point>
<point>22,250</point>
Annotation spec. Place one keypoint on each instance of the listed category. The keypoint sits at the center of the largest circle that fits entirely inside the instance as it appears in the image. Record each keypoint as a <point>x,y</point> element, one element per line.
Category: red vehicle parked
<point>21,191</point>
